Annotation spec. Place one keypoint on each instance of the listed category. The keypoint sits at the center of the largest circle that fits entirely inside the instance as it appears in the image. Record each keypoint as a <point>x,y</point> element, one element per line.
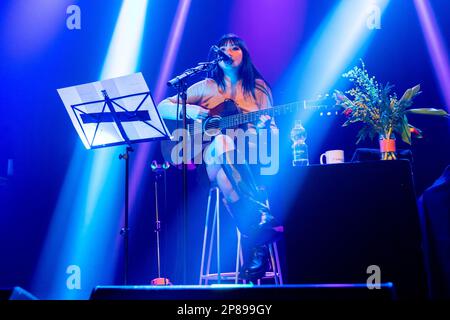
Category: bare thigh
<point>216,174</point>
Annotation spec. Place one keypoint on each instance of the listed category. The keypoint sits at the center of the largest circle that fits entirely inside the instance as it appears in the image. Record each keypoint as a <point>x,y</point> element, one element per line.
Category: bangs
<point>231,39</point>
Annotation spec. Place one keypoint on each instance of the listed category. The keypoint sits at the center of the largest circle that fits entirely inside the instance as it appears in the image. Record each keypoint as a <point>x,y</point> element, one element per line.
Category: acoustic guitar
<point>227,115</point>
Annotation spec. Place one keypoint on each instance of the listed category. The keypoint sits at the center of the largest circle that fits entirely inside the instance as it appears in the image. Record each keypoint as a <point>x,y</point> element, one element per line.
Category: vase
<point>387,147</point>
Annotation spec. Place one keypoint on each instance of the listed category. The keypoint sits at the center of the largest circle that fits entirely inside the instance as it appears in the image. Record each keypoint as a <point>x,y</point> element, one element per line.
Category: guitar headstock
<point>325,103</point>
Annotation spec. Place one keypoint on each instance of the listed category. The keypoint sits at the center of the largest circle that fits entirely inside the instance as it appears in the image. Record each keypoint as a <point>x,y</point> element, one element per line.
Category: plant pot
<point>387,147</point>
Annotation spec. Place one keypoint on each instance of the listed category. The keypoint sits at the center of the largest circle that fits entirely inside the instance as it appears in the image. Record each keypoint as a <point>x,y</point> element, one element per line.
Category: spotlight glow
<point>335,45</point>
<point>124,51</point>
<point>170,54</point>
<point>172,47</point>
<point>86,220</point>
<point>436,47</point>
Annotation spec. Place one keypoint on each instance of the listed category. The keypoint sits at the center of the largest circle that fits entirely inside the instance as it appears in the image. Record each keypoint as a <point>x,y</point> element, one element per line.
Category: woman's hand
<point>263,121</point>
<point>195,112</point>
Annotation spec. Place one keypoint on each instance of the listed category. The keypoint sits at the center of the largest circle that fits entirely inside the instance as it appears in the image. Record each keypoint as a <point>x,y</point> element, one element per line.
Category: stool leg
<point>215,228</point>
<point>277,259</point>
<point>241,255</point>
<point>205,238</point>
<point>272,262</point>
<point>211,243</point>
<point>238,256</point>
<point>217,215</point>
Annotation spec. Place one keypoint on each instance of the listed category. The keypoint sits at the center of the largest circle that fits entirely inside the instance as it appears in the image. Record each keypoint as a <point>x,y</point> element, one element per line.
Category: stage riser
<point>272,293</point>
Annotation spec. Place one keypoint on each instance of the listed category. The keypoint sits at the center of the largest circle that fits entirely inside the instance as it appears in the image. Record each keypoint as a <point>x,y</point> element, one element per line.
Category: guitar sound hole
<point>211,126</point>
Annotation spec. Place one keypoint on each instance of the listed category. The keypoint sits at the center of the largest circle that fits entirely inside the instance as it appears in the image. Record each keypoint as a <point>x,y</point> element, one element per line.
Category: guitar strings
<point>241,118</point>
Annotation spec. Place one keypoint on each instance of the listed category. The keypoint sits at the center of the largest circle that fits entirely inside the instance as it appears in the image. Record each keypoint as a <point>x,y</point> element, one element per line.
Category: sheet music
<point>94,135</point>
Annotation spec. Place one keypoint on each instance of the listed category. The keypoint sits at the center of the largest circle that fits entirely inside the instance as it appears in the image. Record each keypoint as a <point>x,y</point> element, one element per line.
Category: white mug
<point>332,156</point>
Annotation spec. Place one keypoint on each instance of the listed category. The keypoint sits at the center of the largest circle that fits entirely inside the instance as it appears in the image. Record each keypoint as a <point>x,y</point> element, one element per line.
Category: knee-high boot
<point>250,212</point>
<point>256,260</point>
<point>253,219</point>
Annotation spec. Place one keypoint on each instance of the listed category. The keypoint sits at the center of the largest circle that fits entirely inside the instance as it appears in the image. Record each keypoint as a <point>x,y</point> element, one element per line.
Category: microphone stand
<point>160,173</point>
<point>180,84</point>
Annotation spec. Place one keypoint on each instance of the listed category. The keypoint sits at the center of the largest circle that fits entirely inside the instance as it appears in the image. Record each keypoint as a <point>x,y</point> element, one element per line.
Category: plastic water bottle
<point>299,146</point>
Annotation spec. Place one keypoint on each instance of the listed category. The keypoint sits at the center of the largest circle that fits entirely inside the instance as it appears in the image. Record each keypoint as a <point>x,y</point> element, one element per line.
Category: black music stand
<point>114,112</point>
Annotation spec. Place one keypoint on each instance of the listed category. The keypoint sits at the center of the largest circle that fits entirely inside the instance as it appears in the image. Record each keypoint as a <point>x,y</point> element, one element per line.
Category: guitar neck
<point>238,119</point>
<point>243,118</point>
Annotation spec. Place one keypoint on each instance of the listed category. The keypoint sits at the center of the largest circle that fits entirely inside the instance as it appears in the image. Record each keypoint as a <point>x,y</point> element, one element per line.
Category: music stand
<point>113,112</point>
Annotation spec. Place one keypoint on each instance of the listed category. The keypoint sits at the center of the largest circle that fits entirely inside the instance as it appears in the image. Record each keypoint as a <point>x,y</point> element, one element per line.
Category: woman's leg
<point>245,205</point>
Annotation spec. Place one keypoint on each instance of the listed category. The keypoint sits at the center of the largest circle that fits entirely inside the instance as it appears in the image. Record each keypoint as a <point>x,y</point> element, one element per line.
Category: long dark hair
<point>247,71</point>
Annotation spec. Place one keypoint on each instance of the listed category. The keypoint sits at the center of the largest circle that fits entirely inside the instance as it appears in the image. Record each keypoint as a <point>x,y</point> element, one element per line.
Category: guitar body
<point>208,126</point>
<point>226,108</point>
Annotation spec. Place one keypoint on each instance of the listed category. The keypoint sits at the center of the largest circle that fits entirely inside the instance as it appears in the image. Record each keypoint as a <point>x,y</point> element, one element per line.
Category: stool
<point>208,237</point>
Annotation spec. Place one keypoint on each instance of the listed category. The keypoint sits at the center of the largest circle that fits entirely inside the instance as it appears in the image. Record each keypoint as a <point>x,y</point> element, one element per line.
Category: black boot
<point>250,212</point>
<point>255,221</point>
<point>245,215</point>
<point>255,263</point>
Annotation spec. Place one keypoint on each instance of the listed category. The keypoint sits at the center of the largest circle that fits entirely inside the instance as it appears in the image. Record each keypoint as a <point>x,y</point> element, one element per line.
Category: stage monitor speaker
<point>347,222</point>
<point>15,293</point>
<point>312,292</point>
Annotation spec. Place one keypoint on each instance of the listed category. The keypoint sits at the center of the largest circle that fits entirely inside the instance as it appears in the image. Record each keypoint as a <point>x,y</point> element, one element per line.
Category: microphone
<point>222,55</point>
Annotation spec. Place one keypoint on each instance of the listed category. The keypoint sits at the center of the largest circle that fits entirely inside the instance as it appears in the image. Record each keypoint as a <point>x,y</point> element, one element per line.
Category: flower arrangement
<point>380,110</point>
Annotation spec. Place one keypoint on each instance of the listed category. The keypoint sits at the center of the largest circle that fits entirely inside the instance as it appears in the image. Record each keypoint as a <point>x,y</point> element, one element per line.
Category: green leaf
<point>342,99</point>
<point>346,123</point>
<point>404,130</point>
<point>406,96</point>
<point>429,111</point>
<point>360,138</point>
<point>410,93</point>
<point>415,90</point>
<point>362,134</point>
